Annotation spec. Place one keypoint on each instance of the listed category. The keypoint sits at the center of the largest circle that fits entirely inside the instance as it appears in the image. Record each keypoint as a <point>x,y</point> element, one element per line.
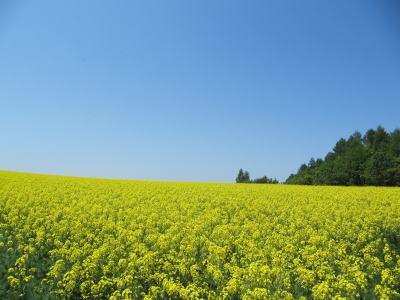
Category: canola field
<point>76,238</point>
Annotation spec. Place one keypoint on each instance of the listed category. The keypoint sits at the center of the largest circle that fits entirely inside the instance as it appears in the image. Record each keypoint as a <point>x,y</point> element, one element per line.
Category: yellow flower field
<point>66,237</point>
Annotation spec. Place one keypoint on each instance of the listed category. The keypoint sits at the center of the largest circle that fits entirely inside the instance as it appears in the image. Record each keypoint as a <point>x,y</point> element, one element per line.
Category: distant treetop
<point>244,177</point>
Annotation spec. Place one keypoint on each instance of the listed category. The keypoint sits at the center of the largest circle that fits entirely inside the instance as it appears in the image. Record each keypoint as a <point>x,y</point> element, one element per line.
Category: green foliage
<point>244,177</point>
<point>265,179</point>
<point>74,238</point>
<point>372,159</point>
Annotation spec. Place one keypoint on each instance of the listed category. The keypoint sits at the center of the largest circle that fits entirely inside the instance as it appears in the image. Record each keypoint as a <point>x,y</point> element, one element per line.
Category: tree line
<point>369,159</point>
<point>244,177</point>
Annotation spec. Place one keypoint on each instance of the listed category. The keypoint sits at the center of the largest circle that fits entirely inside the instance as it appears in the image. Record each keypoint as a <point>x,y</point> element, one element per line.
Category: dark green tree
<point>243,176</point>
<point>246,176</point>
<point>378,169</point>
<point>265,179</point>
<point>239,177</point>
<point>395,143</point>
<point>372,159</point>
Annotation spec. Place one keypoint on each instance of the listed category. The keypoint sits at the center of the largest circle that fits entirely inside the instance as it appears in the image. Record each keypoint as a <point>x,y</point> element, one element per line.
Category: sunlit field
<point>66,237</point>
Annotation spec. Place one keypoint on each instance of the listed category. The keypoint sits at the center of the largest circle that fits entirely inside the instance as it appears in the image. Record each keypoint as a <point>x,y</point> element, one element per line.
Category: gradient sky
<point>191,90</point>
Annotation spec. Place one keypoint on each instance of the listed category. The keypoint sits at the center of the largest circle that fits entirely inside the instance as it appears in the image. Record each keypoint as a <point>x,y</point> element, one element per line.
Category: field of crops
<point>65,237</point>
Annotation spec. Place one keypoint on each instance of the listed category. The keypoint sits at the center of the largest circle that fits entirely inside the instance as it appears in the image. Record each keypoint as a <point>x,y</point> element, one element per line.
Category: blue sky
<point>191,90</point>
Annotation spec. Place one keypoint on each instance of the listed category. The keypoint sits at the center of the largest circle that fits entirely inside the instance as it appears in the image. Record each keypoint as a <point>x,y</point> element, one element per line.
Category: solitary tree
<point>239,177</point>
<point>246,176</point>
<point>243,176</point>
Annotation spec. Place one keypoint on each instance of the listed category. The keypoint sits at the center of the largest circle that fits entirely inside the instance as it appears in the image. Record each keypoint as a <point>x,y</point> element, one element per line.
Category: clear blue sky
<point>191,90</point>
